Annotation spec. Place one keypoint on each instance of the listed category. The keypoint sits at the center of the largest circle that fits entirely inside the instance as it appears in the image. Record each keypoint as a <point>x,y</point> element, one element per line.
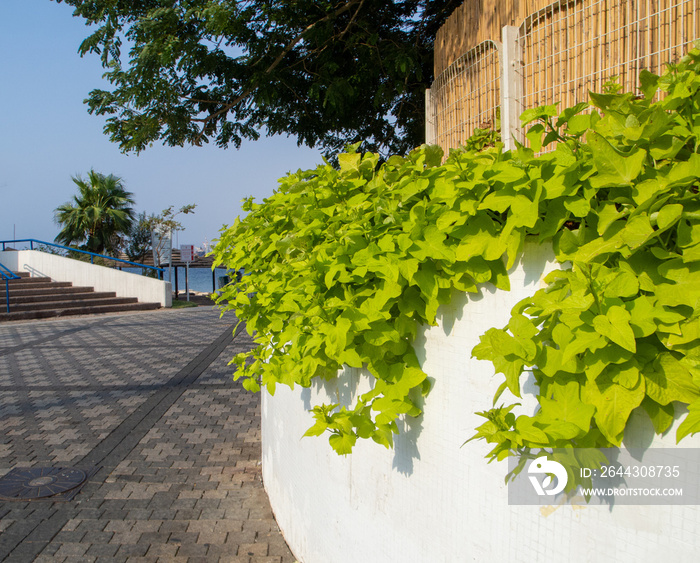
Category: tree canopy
<point>327,72</point>
<point>99,217</point>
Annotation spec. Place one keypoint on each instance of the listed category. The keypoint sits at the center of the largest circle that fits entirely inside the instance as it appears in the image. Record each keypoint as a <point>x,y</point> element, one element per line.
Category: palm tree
<point>99,216</point>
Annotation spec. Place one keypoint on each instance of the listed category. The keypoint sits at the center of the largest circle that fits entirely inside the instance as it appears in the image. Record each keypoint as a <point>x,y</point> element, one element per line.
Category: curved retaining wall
<point>430,499</point>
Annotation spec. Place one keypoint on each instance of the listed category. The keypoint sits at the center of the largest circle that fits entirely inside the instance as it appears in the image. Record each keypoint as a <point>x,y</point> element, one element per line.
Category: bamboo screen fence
<point>476,21</point>
<point>467,93</point>
<point>563,50</point>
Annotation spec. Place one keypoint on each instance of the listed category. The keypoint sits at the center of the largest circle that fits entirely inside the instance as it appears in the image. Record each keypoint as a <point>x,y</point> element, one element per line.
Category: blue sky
<point>47,136</point>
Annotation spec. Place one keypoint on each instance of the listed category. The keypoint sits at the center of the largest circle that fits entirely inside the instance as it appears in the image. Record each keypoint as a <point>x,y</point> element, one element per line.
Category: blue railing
<point>92,255</point>
<point>6,276</point>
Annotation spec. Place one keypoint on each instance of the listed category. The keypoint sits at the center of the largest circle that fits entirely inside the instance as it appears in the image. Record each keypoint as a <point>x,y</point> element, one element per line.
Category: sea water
<point>200,279</point>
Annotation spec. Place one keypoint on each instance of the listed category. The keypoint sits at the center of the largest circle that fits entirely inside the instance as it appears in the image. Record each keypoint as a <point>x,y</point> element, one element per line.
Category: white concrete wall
<point>430,499</point>
<point>84,274</point>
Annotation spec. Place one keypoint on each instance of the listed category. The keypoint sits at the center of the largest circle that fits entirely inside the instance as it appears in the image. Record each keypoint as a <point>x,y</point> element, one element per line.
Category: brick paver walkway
<point>149,399</point>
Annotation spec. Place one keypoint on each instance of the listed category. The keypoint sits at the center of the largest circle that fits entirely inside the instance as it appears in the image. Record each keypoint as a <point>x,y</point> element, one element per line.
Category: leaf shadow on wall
<point>344,390</point>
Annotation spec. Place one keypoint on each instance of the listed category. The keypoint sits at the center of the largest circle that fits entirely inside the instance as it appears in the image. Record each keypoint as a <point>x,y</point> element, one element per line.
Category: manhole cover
<point>42,482</point>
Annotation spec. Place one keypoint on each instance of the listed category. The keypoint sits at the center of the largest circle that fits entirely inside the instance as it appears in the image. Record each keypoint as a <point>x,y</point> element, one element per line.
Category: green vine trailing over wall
<point>345,264</point>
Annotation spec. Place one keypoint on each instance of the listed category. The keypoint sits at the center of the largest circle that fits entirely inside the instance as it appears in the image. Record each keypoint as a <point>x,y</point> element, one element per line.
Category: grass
<point>177,304</point>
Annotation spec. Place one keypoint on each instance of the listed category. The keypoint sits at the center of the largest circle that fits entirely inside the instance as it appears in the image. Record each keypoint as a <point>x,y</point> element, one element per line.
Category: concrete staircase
<point>40,298</point>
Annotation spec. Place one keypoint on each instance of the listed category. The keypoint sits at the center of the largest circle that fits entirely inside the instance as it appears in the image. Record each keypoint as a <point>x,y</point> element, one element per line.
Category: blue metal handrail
<point>7,275</point>
<point>92,255</point>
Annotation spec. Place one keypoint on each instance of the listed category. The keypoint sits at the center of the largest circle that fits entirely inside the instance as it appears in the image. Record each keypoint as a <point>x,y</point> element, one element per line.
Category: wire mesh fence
<point>573,47</point>
<point>564,50</point>
<point>467,95</point>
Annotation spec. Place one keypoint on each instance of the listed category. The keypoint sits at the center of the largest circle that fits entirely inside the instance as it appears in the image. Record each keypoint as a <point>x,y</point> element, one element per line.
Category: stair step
<point>70,304</point>
<point>23,275</point>
<point>61,290</point>
<point>84,310</point>
<point>25,279</point>
<point>45,297</point>
<point>13,287</point>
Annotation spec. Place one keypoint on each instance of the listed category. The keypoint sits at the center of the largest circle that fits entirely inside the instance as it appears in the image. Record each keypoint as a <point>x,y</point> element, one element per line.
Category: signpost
<point>187,255</point>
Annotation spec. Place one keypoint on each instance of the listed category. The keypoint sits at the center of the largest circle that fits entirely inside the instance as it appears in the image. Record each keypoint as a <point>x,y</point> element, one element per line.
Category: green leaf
<point>668,215</point>
<point>534,135</point>
<point>642,317</point>
<point>615,325</point>
<point>685,287</point>
<point>613,404</point>
<point>433,155</point>
<point>565,405</point>
<point>614,168</point>
<point>596,361</point>
<point>524,210</point>
<point>610,242</point>
<point>584,340</point>
<point>336,337</point>
<point>569,113</point>
<point>433,246</point>
<point>349,161</point>
<point>661,415</point>
<point>426,280</point>
<point>539,112</point>
<point>669,380</point>
<point>317,429</point>
<point>689,332</point>
<point>625,284</point>
<point>607,214</point>
<point>480,238</point>
<point>637,231</point>
<point>251,384</point>
<point>691,423</point>
<point>649,83</point>
<point>524,426</point>
<point>342,443</point>
<point>579,206</point>
<point>579,124</point>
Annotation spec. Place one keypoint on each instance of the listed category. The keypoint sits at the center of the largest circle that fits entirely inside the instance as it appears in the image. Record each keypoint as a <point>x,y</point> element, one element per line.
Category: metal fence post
<point>511,87</point>
<point>429,118</point>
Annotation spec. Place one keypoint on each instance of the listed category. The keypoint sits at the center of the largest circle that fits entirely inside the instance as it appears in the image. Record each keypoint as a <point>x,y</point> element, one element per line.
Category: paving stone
<point>119,526</point>
<point>192,550</point>
<point>96,537</point>
<point>162,550</point>
<point>69,537</point>
<point>183,538</point>
<point>181,471</point>
<point>102,550</point>
<point>253,549</point>
<point>154,537</point>
<point>175,526</point>
<point>91,525</point>
<point>240,538</point>
<point>125,538</point>
<point>132,550</point>
<point>69,549</point>
<point>209,537</point>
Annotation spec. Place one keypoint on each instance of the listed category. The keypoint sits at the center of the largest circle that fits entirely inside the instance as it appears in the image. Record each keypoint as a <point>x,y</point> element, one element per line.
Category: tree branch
<point>293,43</point>
<point>352,20</point>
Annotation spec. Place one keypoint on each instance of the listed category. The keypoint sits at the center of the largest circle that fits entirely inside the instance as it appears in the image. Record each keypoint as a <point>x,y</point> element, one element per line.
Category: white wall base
<point>431,500</point>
